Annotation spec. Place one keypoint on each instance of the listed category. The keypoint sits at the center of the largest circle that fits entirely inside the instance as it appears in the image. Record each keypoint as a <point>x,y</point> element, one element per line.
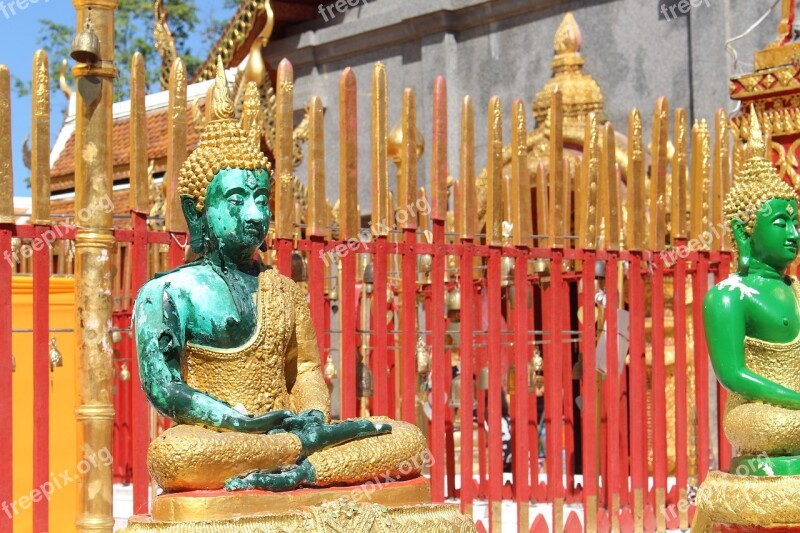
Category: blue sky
<point>18,42</point>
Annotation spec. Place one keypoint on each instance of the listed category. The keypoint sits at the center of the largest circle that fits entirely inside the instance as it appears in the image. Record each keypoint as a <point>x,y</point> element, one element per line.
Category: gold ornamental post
<point>93,248</point>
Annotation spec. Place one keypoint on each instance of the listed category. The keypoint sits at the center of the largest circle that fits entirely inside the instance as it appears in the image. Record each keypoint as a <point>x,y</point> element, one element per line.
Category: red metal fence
<point>623,436</point>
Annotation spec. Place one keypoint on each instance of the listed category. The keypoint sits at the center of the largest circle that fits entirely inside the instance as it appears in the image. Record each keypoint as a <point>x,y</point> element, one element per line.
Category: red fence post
<point>467,372</point>
<point>589,386</point>
<point>681,384</point>
<point>140,407</point>
<point>638,391</point>
<point>6,397</point>
<point>699,288</point>
<point>41,375</point>
<point>521,359</point>
<point>554,300</point>
<point>440,366</point>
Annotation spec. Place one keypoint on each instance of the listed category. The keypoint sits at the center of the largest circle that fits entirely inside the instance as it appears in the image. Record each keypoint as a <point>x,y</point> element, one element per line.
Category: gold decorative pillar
<point>93,248</point>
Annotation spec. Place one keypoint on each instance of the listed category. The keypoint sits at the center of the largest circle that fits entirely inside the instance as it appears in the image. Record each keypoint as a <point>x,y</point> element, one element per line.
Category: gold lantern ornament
<point>56,359</point>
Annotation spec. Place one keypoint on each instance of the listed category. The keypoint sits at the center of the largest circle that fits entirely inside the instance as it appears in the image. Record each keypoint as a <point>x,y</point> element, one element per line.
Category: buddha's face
<point>237,210</point>
<point>775,235</point>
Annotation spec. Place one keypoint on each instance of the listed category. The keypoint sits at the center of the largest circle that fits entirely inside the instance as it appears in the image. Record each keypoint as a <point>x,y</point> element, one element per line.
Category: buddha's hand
<point>268,421</point>
<point>315,434</point>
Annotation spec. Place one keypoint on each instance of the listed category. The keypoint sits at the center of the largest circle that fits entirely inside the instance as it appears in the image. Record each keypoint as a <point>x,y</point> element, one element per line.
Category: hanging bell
<point>423,357</point>
<point>56,360</point>
<point>116,337</point>
<point>86,45</point>
<point>511,380</point>
<point>483,378</point>
<point>329,372</point>
<point>364,381</point>
<point>455,392</point>
<point>13,364</point>
<point>124,373</point>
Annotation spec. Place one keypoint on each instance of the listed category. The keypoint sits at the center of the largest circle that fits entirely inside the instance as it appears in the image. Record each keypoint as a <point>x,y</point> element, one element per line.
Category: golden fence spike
<point>566,205</point>
<point>658,175</point>
<point>176,145</point>
<point>636,188</point>
<point>700,170</point>
<point>349,223</point>
<point>6,166</point>
<point>40,140</point>
<point>507,182</point>
<point>721,177</point>
<point>706,168</point>
<point>458,219</point>
<point>439,170</point>
<point>610,188</point>
<point>680,173</point>
<point>139,180</point>
<point>317,206</point>
<point>542,202</point>
<point>494,165</point>
<point>407,186</point>
<point>284,151</point>
<point>251,113</point>
<point>423,216</point>
<point>556,229</point>
<point>521,179</point>
<point>590,180</point>
<point>469,207</point>
<point>380,160</point>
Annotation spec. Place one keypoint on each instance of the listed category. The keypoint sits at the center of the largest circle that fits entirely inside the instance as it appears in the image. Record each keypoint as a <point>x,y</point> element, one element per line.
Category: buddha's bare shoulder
<point>185,282</point>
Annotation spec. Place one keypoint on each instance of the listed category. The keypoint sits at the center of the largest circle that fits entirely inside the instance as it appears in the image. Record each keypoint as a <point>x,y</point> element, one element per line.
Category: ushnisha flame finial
<point>757,182</point>
<point>223,105</point>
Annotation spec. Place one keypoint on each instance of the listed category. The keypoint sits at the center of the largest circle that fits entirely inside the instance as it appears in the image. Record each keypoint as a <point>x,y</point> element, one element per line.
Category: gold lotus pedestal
<point>398,506</point>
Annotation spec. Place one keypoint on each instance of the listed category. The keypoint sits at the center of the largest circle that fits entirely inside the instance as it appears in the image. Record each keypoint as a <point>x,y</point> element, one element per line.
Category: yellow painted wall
<point>63,440</point>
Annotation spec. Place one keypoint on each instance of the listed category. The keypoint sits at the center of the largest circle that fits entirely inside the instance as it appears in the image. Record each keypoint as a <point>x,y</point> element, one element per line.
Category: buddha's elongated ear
<point>194,221</point>
<point>742,239</point>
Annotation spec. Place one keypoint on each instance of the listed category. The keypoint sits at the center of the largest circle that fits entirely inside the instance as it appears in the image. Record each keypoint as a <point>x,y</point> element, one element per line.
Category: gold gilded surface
<point>398,455</point>
<point>754,427</point>
<point>278,368</point>
<point>334,517</point>
<point>216,506</point>
<point>194,458</point>
<point>749,500</point>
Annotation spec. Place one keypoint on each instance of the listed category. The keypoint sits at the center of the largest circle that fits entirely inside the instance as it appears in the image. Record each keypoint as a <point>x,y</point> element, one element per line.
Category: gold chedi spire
<point>581,93</point>
<point>756,183</point>
<point>223,144</point>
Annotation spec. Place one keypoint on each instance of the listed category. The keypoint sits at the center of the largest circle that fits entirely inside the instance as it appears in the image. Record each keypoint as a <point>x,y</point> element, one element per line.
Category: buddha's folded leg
<point>756,428</point>
<point>398,455</point>
<point>194,458</point>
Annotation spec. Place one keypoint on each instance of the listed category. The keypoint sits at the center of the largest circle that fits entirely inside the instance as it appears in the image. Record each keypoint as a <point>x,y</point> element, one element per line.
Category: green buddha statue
<point>228,352</point>
<point>752,327</point>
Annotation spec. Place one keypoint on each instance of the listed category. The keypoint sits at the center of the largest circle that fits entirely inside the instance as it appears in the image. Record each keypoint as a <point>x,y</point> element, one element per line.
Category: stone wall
<point>504,47</point>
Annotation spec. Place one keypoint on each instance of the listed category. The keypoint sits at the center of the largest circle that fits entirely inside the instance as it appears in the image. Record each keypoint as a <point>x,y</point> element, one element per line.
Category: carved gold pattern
<point>749,500</point>
<point>333,517</point>
<point>194,458</point>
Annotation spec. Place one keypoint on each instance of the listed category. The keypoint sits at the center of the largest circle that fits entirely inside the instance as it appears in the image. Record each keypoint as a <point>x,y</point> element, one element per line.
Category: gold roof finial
<point>223,105</point>
<point>580,92</point>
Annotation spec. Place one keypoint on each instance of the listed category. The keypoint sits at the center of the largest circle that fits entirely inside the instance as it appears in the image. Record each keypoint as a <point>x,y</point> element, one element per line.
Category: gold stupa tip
<point>222,107</point>
<point>755,145</point>
<point>568,36</point>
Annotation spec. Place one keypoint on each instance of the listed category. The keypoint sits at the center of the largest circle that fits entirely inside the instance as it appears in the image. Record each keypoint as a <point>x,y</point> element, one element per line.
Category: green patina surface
<point>210,302</point>
<point>759,303</point>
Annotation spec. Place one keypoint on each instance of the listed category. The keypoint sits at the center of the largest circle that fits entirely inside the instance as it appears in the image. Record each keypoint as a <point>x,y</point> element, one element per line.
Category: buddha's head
<point>225,184</point>
<point>762,210</point>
